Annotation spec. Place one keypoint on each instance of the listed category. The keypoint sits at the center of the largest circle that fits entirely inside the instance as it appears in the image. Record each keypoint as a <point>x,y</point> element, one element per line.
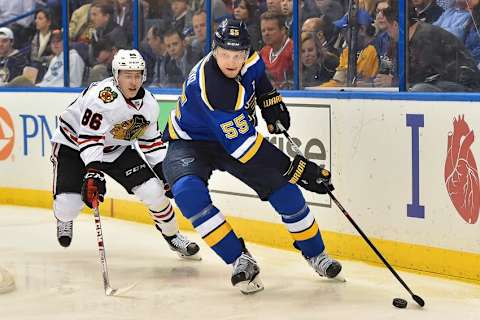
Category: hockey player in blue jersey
<point>213,128</point>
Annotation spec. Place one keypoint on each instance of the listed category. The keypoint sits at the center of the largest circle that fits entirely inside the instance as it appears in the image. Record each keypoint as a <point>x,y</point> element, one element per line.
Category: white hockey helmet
<point>128,60</point>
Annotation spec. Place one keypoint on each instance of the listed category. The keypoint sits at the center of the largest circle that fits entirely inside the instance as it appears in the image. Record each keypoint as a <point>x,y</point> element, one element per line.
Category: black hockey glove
<point>93,188</point>
<point>273,110</point>
<point>309,175</point>
<point>158,169</point>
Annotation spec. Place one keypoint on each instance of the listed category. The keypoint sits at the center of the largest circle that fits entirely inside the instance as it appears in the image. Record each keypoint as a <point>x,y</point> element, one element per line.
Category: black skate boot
<point>245,273</point>
<point>64,233</point>
<point>185,248</point>
<point>326,266</point>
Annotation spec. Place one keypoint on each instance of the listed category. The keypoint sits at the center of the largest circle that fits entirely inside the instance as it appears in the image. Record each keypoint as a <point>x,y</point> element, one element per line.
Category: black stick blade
<point>418,300</point>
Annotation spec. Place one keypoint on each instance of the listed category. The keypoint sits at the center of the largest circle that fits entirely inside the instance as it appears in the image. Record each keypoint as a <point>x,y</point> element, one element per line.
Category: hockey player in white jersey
<point>96,135</point>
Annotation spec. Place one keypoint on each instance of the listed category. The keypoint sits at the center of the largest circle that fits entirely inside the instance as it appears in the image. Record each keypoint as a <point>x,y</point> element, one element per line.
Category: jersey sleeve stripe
<point>151,140</point>
<point>90,145</point>
<point>86,136</point>
<point>71,139</point>
<point>253,150</point>
<point>152,145</point>
<point>154,150</point>
<point>250,62</point>
<point>172,123</point>
<point>203,87</point>
<point>92,139</point>
<point>240,96</point>
<point>68,126</point>
<point>171,132</point>
<point>244,147</point>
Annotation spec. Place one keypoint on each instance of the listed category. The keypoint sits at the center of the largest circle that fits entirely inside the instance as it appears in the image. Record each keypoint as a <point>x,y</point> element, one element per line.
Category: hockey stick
<point>415,297</point>
<point>109,291</point>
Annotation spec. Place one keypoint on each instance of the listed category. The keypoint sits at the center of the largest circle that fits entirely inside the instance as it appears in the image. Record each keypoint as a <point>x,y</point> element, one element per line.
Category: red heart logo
<point>461,175</point>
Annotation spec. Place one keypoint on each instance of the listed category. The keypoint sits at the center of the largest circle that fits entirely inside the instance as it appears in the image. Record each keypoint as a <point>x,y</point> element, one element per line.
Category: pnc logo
<point>7,134</point>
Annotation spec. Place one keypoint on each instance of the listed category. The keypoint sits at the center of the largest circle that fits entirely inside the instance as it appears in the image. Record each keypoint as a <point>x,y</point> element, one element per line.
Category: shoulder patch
<point>107,95</point>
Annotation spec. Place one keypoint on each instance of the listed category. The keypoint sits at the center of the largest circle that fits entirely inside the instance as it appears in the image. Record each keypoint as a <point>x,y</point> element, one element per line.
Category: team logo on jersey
<point>130,129</point>
<point>107,95</point>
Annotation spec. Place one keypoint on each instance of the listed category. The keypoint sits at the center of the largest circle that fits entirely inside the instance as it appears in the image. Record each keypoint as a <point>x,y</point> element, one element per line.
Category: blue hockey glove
<point>273,110</point>
<point>309,175</point>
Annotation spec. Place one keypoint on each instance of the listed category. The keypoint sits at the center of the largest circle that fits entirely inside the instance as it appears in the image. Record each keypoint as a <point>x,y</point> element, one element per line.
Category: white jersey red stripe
<point>101,123</point>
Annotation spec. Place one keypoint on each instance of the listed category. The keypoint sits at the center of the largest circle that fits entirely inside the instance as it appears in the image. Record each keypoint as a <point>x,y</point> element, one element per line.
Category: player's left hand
<point>309,175</point>
<point>94,187</point>
<point>274,109</point>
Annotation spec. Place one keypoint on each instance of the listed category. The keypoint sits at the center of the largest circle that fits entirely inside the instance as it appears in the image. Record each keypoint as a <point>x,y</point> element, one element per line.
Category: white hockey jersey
<point>101,123</point>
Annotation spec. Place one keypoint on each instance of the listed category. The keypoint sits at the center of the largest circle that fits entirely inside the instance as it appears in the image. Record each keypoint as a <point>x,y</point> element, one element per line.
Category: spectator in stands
<point>368,5</point>
<point>101,14</point>
<point>246,11</point>
<point>80,27</point>
<point>445,4</point>
<point>308,9</point>
<point>180,10</point>
<point>160,10</point>
<point>10,9</point>
<point>472,32</point>
<point>41,53</point>
<point>331,8</point>
<point>278,50</point>
<point>12,61</point>
<point>199,22</point>
<point>455,19</point>
<point>123,13</point>
<point>318,65</point>
<point>367,57</point>
<point>427,10</point>
<point>54,75</point>
<point>388,74</point>
<point>156,43</point>
<point>222,9</point>
<point>104,51</point>
<point>287,11</point>
<point>180,60</point>
<point>274,6</point>
<point>381,40</point>
<point>325,31</point>
<point>438,61</point>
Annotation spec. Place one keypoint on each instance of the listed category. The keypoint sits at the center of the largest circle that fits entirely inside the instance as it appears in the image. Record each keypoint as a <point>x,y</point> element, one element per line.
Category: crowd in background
<point>443,36</point>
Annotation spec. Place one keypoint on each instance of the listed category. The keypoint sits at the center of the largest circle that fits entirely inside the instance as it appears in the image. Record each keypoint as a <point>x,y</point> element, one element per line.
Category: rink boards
<point>405,170</point>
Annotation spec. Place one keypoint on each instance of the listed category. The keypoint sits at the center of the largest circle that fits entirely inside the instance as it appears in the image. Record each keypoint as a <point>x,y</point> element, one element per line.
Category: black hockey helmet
<point>232,35</point>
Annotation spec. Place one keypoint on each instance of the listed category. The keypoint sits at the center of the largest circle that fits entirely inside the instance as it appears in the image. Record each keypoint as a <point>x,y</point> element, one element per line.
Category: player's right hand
<point>94,187</point>
<point>274,110</point>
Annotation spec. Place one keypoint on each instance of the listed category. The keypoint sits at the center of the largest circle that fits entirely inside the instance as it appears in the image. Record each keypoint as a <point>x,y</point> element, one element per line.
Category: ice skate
<point>245,275</point>
<point>326,266</point>
<point>64,233</point>
<point>185,248</point>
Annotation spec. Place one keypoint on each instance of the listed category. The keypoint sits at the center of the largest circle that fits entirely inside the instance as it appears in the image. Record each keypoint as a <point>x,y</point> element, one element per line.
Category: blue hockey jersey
<point>213,107</point>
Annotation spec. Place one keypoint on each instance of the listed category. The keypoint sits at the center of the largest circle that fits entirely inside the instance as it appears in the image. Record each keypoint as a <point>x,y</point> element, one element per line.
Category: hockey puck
<point>400,303</point>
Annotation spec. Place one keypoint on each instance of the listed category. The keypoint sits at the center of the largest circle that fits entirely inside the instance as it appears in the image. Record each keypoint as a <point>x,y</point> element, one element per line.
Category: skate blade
<point>250,287</point>
<point>339,278</point>
<point>109,291</point>
<point>195,257</point>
